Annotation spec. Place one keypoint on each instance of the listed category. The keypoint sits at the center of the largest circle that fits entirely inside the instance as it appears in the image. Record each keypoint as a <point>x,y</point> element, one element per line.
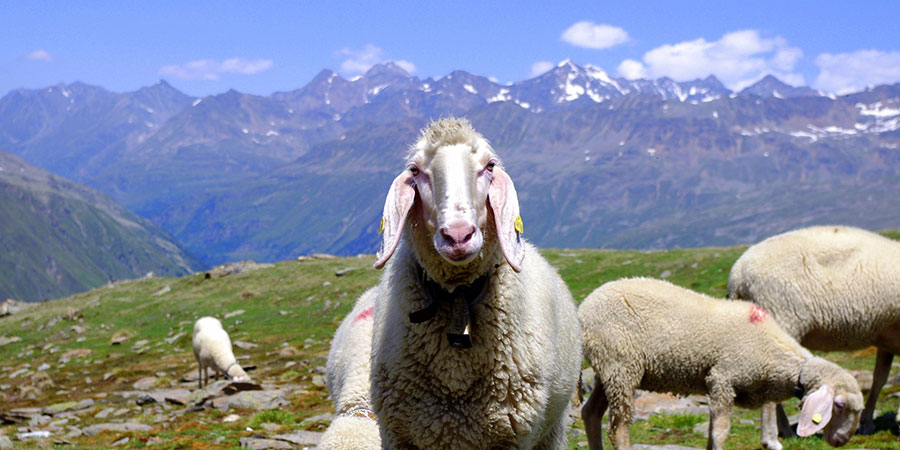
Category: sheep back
<point>511,388</point>
<point>830,287</point>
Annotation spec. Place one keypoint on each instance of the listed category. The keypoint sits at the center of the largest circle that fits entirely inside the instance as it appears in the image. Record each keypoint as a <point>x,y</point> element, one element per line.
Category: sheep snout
<point>458,242</point>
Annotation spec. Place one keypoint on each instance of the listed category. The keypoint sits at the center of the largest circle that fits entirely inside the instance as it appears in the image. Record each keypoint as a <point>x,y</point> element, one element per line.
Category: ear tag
<point>519,225</point>
<point>817,418</point>
<point>381,227</point>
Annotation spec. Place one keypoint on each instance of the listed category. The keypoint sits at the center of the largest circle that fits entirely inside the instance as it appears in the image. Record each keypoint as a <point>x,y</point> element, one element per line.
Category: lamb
<point>653,335</point>
<point>831,288</point>
<point>347,377</point>
<point>475,340</point>
<point>212,348</point>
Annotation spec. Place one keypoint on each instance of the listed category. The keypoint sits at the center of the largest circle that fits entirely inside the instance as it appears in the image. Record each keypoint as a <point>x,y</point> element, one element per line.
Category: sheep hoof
<point>771,445</point>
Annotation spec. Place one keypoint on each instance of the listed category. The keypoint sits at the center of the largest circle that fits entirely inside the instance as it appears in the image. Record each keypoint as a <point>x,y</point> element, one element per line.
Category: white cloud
<point>361,60</point>
<point>842,73</point>
<point>590,35</point>
<point>541,67</point>
<point>39,55</point>
<point>209,69</point>
<point>738,59</point>
<point>631,69</point>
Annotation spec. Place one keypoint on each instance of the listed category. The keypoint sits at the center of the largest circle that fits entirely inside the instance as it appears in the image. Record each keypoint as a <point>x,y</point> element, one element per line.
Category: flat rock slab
<point>646,403</point>
<point>5,442</point>
<point>94,430</point>
<point>300,437</point>
<point>661,447</point>
<point>144,383</point>
<point>9,340</point>
<point>262,444</point>
<point>257,400</point>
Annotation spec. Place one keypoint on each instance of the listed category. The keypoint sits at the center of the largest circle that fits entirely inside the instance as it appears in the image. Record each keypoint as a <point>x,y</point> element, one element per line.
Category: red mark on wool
<point>367,314</point>
<point>757,314</point>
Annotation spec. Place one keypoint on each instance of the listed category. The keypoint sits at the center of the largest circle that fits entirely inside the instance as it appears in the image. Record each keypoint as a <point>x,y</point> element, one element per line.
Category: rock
<point>344,271</point>
<point>145,399</point>
<point>257,400</point>
<point>77,329</point>
<point>144,383</point>
<point>262,444</point>
<point>122,441</point>
<point>288,351</point>
<point>231,418</point>
<point>10,307</point>
<point>141,343</point>
<point>234,314</point>
<point>300,437</point>
<point>244,345</point>
<point>269,426</point>
<point>234,269</point>
<point>174,338</point>
<point>41,380</point>
<point>119,338</point>
<point>59,407</point>
<point>327,417</point>
<point>9,340</point>
<point>162,291</point>
<point>75,353</point>
<point>318,380</point>
<point>33,435</point>
<point>104,413</point>
<point>864,378</point>
<point>96,429</point>
<point>5,442</point>
<point>702,428</point>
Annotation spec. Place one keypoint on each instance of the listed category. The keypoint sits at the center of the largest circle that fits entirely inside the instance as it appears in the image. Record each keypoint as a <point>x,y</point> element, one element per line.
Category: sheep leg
<point>769,437</point>
<point>721,400</point>
<point>200,376</point>
<point>621,403</point>
<point>592,415</point>
<point>879,377</point>
<point>784,425</point>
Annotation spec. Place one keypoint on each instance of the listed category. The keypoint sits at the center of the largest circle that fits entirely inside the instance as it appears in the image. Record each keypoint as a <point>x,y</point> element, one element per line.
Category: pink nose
<point>458,233</point>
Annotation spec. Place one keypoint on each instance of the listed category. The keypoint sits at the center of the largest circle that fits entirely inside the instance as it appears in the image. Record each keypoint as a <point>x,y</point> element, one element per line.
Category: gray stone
<point>104,413</point>
<point>702,428</point>
<point>94,430</point>
<point>257,400</point>
<point>9,340</point>
<point>300,437</point>
<point>244,345</point>
<point>262,444</point>
<point>144,383</point>
<point>5,442</point>
<point>122,441</point>
<point>145,399</point>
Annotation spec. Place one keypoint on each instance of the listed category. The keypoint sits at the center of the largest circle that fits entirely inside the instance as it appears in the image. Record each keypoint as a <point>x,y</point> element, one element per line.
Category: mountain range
<point>58,237</point>
<point>599,161</point>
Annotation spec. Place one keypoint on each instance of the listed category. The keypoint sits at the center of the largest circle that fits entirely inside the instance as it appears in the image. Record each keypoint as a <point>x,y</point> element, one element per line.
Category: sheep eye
<point>490,166</point>
<point>414,171</point>
<point>839,405</point>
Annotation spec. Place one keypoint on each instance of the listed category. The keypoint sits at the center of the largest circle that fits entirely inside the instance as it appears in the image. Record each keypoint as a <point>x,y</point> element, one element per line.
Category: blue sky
<point>262,47</point>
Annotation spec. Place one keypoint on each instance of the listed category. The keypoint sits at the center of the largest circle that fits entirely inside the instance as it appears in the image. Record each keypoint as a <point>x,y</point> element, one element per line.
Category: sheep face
<point>457,186</point>
<point>836,415</point>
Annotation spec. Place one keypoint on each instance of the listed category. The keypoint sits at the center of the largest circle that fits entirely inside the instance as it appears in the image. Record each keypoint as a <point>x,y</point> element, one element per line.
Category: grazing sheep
<point>831,288</point>
<point>212,348</point>
<point>354,426</point>
<point>475,342</point>
<point>653,335</point>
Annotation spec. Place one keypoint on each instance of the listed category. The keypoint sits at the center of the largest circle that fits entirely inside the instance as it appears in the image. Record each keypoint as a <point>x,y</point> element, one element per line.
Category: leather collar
<point>461,301</point>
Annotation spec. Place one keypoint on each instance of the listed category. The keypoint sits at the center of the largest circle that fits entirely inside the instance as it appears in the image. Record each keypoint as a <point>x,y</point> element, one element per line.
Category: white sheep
<point>832,288</point>
<point>347,377</point>
<point>653,335</point>
<point>212,348</point>
<point>476,342</point>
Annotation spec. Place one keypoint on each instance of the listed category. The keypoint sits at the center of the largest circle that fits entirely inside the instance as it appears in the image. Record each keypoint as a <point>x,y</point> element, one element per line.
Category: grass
<point>298,305</point>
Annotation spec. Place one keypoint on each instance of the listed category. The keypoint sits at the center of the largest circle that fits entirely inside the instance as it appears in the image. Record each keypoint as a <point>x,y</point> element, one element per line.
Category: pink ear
<point>396,206</point>
<point>816,411</point>
<point>505,205</point>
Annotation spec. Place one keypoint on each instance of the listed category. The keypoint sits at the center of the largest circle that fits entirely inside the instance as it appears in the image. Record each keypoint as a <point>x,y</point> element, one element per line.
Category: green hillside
<point>289,311</point>
<point>58,237</point>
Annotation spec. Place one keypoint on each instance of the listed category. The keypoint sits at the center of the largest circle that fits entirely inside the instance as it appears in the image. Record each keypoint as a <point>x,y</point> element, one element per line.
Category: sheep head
<point>834,407</point>
<point>457,185</point>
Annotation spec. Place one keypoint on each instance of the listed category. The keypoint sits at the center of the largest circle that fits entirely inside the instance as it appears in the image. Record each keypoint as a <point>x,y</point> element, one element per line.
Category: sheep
<point>347,377</point>
<point>212,349</point>
<point>650,334</point>
<point>475,341</point>
<point>831,288</point>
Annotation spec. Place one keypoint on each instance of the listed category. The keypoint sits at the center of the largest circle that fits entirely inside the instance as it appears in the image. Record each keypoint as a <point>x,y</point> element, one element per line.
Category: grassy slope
<point>301,303</point>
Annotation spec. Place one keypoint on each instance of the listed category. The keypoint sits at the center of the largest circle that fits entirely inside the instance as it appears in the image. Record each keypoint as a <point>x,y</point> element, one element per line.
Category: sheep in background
<point>212,348</point>
<point>354,426</point>
<point>653,335</point>
<point>475,342</point>
<point>831,288</point>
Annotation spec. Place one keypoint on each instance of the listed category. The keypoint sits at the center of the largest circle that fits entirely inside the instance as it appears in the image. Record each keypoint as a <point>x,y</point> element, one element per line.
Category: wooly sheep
<point>832,288</point>
<point>354,426</point>
<point>475,340</point>
<point>212,348</point>
<point>653,335</point>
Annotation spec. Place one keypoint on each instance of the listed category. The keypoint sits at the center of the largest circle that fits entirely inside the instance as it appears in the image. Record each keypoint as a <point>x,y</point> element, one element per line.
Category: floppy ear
<point>396,207</point>
<point>505,206</point>
<point>816,411</point>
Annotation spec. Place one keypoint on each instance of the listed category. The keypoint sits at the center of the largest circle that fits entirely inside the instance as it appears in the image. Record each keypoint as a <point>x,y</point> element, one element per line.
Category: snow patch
<point>877,110</point>
<point>147,108</point>
<point>470,88</point>
<point>651,151</point>
<point>501,96</point>
<point>244,130</point>
<point>375,90</point>
<point>197,102</point>
<point>271,133</point>
<point>715,114</point>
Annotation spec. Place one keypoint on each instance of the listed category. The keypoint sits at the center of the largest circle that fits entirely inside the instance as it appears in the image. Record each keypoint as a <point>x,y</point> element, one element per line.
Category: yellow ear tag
<point>520,227</point>
<point>381,227</point>
<point>817,418</point>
